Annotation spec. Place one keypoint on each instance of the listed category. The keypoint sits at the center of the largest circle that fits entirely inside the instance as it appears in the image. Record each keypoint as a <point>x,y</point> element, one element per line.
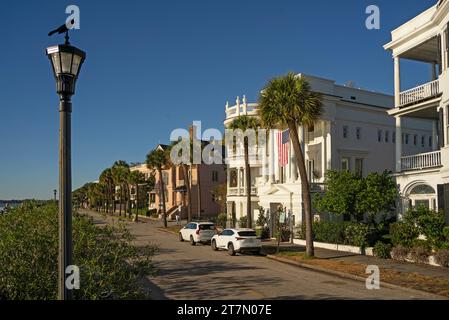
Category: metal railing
<point>241,191</point>
<point>421,161</point>
<point>419,93</point>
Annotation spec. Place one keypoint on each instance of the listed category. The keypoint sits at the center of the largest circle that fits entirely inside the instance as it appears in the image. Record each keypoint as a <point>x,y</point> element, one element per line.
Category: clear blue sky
<point>153,66</point>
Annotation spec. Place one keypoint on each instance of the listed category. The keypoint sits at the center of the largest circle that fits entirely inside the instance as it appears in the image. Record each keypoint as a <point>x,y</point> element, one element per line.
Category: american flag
<point>283,146</point>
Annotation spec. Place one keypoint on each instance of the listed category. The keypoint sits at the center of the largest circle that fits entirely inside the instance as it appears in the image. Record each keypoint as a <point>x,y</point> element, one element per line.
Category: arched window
<point>422,189</point>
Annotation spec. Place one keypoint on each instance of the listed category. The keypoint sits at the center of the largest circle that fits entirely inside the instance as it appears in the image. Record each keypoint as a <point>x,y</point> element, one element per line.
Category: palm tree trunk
<point>304,187</point>
<point>248,185</point>
<point>163,198</point>
<point>198,183</point>
<point>137,202</point>
<point>188,191</point>
<point>121,201</point>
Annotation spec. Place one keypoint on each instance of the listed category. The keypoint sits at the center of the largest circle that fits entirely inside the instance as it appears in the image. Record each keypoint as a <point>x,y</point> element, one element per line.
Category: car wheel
<point>231,250</point>
<point>214,245</point>
<point>180,237</point>
<point>192,242</point>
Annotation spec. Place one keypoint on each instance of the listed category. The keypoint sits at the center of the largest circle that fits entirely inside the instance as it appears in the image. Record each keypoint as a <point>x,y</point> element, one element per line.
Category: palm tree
<point>106,179</point>
<point>245,123</point>
<point>120,171</point>
<point>158,160</point>
<point>288,102</point>
<point>136,178</point>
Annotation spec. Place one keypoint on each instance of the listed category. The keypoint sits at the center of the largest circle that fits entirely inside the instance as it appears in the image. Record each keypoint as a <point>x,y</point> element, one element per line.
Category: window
<point>393,137</point>
<point>152,197</point>
<point>379,135</point>
<point>423,139</point>
<point>430,142</point>
<point>233,178</point>
<point>415,139</point>
<point>406,138</point>
<point>358,133</point>
<point>214,176</point>
<point>344,163</point>
<point>403,138</point>
<point>359,167</point>
<point>387,136</point>
<point>345,132</point>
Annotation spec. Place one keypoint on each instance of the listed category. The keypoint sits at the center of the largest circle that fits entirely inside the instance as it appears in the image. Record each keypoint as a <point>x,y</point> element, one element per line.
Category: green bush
<point>221,220</point>
<point>402,233</point>
<point>382,250</point>
<point>263,233</point>
<point>356,234</point>
<point>110,267</point>
<point>329,232</point>
<point>243,222</point>
<point>442,257</point>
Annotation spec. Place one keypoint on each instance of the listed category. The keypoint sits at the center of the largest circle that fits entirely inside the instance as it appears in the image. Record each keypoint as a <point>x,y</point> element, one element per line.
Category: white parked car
<point>237,240</point>
<point>197,232</point>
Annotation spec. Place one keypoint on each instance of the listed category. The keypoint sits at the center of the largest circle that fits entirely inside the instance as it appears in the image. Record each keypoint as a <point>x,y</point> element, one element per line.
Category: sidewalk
<point>411,275</point>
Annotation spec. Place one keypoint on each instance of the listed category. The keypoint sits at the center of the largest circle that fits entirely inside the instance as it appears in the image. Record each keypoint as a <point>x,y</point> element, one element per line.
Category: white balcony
<point>421,161</point>
<point>420,93</point>
<point>241,191</point>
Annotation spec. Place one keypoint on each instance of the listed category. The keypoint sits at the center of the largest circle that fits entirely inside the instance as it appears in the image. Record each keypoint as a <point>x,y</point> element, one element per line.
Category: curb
<point>351,276</point>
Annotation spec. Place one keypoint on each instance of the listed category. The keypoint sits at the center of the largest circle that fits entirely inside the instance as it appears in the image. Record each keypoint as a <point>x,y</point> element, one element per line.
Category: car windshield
<point>207,227</point>
<point>247,233</point>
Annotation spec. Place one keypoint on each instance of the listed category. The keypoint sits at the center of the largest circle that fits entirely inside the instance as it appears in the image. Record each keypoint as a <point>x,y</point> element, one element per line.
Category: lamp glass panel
<point>76,65</point>
<point>56,62</point>
<point>66,61</point>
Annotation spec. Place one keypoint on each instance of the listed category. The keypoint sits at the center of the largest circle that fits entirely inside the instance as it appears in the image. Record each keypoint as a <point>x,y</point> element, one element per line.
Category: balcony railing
<point>241,191</point>
<point>420,93</point>
<point>421,161</point>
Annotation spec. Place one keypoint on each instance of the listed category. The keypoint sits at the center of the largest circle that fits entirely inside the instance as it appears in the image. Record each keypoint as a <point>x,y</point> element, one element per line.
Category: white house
<point>355,133</point>
<point>423,177</point>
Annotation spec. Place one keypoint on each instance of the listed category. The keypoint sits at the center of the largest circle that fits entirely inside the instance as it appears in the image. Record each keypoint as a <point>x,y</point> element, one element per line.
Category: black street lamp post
<point>66,61</point>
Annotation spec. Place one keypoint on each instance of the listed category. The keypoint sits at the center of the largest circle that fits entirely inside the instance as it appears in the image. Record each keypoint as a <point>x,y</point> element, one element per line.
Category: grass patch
<point>416,281</point>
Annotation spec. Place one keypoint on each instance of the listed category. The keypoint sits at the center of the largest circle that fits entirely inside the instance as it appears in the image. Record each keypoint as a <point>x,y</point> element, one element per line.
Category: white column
<point>228,173</point>
<point>329,146</point>
<point>301,136</point>
<point>434,135</point>
<point>323,150</point>
<point>398,143</point>
<point>271,157</point>
<point>397,81</point>
<point>245,105</point>
<point>276,157</point>
<point>445,125</point>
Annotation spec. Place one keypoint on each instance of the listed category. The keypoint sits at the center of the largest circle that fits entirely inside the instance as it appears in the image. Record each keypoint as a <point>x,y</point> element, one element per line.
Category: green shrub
<point>442,257</point>
<point>110,267</point>
<point>446,234</point>
<point>382,250</point>
<point>261,219</point>
<point>221,220</point>
<point>329,232</point>
<point>429,223</point>
<point>400,253</point>
<point>243,222</point>
<point>356,234</point>
<point>263,233</point>
<point>403,233</point>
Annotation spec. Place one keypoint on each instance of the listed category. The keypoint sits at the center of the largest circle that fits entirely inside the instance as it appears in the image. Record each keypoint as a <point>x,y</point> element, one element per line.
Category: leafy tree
<point>288,102</point>
<point>378,194</point>
<point>340,198</point>
<point>245,123</point>
<point>120,172</point>
<point>349,194</point>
